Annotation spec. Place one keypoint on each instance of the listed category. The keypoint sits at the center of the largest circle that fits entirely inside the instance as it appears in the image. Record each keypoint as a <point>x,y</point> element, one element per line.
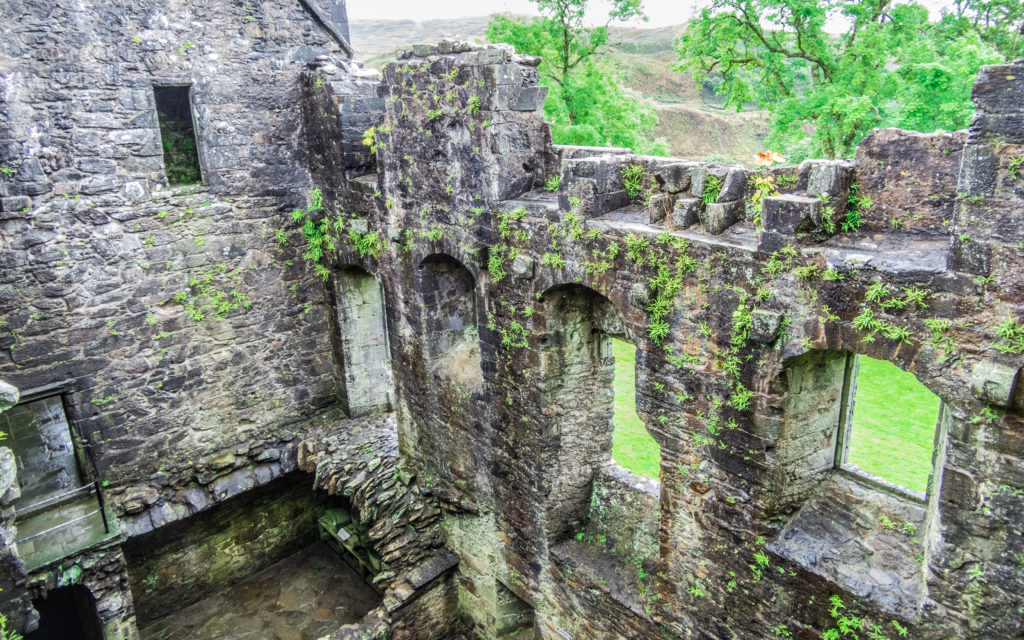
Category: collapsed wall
<point>412,242</point>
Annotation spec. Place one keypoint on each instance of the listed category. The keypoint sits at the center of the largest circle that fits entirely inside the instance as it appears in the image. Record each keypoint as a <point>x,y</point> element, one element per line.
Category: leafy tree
<point>998,23</point>
<point>890,67</point>
<point>586,103</point>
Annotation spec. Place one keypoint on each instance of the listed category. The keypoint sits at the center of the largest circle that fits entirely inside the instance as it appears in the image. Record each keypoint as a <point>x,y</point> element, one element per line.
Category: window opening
<point>633,447</point>
<point>178,135</point>
<point>892,420</point>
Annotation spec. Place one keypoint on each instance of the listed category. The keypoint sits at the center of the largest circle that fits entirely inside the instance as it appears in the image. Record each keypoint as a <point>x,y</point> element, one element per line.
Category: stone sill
<point>839,535</point>
<point>881,484</point>
<point>178,191</point>
<point>643,484</point>
<point>605,572</point>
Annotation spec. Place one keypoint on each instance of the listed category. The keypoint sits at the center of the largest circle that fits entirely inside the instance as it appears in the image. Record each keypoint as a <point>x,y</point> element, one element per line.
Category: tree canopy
<point>891,66</point>
<point>586,103</point>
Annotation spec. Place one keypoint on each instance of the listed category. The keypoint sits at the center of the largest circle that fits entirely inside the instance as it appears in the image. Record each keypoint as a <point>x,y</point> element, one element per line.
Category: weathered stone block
<point>233,484</point>
<point>978,171</point>
<point>993,382</point>
<point>733,186</point>
<point>639,295</point>
<point>422,50</point>
<point>764,325</point>
<point>970,256</point>
<point>908,176</point>
<point>522,266</point>
<point>96,165</point>
<point>530,99</point>
<point>830,177</point>
<point>9,490</point>
<point>675,177</point>
<point>15,204</point>
<point>719,216</point>
<point>477,255</point>
<point>657,208</point>
<point>998,88</point>
<point>8,396</point>
<point>686,213</point>
<point>791,214</point>
<point>959,488</point>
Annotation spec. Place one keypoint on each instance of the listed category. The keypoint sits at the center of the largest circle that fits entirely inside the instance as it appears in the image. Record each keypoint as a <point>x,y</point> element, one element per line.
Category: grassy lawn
<point>894,420</point>
<point>893,423</point>
<point>632,447</point>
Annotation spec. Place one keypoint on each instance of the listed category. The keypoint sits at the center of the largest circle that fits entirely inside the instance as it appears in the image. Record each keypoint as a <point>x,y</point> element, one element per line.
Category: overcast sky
<point>659,12</point>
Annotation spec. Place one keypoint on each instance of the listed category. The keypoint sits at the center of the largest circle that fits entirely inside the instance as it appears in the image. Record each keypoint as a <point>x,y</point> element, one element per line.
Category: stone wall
<point>725,315</point>
<point>185,561</point>
<point>624,515</point>
<point>103,572</point>
<point>13,574</point>
<point>204,353</point>
<point>190,337</point>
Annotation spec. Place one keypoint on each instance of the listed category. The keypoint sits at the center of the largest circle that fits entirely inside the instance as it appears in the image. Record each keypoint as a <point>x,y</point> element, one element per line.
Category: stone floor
<point>303,597</point>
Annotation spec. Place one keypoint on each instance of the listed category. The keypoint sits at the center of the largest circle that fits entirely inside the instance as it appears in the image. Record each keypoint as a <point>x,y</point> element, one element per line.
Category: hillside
<point>691,119</point>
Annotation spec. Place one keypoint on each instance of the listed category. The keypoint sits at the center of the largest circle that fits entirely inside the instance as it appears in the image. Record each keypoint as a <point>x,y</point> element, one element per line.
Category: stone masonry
<point>371,286</point>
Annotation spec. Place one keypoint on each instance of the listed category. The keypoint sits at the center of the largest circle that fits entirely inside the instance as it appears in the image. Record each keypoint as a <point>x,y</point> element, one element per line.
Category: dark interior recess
<point>67,613</point>
<point>178,135</point>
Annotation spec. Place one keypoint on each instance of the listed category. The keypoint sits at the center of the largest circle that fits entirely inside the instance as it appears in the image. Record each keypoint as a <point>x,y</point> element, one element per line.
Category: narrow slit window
<point>633,447</point>
<point>177,135</point>
<point>892,420</point>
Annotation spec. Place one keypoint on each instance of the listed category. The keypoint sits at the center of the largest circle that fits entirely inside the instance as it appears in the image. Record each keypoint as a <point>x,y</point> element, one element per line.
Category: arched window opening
<point>364,355</point>
<point>578,365</point>
<point>863,416</point>
<point>859,444</point>
<point>67,613</point>
<point>891,423</point>
<point>633,448</point>
<point>450,334</point>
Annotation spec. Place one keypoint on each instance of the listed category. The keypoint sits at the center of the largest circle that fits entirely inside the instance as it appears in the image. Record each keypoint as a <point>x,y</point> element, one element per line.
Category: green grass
<point>894,418</point>
<point>632,447</point>
<point>893,423</point>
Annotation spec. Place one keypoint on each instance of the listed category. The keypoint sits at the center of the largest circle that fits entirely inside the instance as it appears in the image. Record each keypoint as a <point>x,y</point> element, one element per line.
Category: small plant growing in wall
<point>367,244</point>
<point>369,139</point>
<point>149,582</point>
<point>633,179</point>
<point>858,205</point>
<point>5,633</point>
<point>1011,337</point>
<point>764,186</point>
<point>1013,167</point>
<point>846,624</point>
<point>712,189</point>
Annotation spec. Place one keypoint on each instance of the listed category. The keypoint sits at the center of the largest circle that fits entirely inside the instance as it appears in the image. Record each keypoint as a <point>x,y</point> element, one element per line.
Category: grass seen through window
<point>632,447</point>
<point>893,431</point>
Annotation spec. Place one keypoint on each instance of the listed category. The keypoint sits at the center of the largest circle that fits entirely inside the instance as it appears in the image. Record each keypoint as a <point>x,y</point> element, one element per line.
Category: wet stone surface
<point>303,597</point>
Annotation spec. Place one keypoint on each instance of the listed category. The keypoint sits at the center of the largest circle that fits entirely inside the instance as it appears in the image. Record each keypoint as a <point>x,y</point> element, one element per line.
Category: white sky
<point>659,12</point>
